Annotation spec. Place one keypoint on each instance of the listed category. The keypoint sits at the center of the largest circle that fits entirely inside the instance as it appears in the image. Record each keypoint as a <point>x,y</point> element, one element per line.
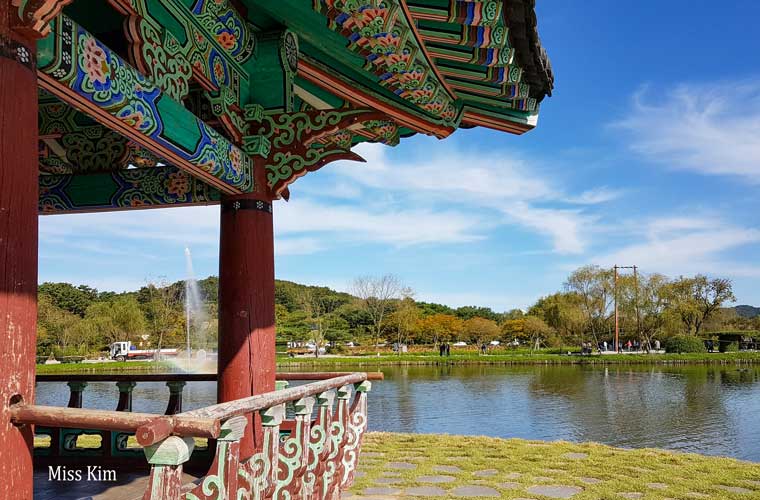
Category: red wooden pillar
<point>18,251</point>
<point>246,305</point>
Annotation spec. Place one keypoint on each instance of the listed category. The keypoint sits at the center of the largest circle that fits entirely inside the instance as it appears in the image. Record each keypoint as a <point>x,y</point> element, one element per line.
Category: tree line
<point>80,320</point>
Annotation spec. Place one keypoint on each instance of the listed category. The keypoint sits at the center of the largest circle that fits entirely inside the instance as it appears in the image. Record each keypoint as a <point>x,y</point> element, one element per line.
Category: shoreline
<point>719,359</point>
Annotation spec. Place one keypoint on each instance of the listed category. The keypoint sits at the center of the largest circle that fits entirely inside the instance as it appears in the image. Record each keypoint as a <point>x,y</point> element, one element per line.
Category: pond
<point>706,409</point>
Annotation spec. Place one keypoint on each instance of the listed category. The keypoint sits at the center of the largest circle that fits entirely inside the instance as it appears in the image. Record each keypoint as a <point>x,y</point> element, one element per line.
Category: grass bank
<point>110,367</point>
<point>429,359</point>
<point>411,465</point>
<point>523,359</point>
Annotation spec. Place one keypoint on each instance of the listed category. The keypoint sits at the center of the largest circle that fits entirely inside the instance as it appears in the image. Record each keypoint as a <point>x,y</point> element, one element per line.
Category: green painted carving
<point>158,54</point>
<point>220,483</point>
<point>385,131</point>
<point>133,188</point>
<point>319,445</point>
<point>258,475</point>
<point>225,107</point>
<point>294,452</point>
<point>297,145</point>
<point>257,145</point>
<point>74,65</point>
<point>357,425</point>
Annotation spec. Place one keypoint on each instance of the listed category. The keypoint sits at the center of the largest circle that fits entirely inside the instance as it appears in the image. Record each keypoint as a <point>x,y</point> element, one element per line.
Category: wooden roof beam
<point>122,190</point>
<point>132,104</point>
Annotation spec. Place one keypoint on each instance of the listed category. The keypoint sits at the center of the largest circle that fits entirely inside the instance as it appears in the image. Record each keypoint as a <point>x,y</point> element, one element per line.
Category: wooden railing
<point>313,455</point>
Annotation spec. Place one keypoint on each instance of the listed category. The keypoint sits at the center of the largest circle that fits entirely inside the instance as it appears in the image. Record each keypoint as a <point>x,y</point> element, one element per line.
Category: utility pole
<point>617,323</point>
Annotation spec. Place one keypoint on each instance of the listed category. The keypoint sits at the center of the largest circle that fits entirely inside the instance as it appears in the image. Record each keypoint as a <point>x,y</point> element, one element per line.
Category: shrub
<point>337,349</point>
<point>684,343</point>
<point>729,347</point>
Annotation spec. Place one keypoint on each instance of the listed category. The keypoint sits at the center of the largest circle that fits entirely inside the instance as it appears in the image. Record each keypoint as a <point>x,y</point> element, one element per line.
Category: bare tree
<point>375,295</point>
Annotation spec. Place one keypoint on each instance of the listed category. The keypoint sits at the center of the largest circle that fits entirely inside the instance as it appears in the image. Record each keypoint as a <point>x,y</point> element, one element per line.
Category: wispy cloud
<point>711,129</point>
<point>686,245</point>
<point>503,184</point>
<point>362,224</point>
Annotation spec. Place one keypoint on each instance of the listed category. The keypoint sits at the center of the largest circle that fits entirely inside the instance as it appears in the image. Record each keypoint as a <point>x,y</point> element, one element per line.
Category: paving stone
<point>509,486</point>
<point>360,473</point>
<point>513,475</point>
<point>472,490</point>
<point>447,468</point>
<point>734,489</point>
<point>575,456</point>
<point>372,454</point>
<point>381,490</point>
<point>485,473</point>
<point>631,495</point>
<point>657,486</point>
<point>436,479</point>
<point>458,458</point>
<point>388,480</point>
<point>555,491</point>
<point>590,480</point>
<point>425,491</point>
<point>400,465</point>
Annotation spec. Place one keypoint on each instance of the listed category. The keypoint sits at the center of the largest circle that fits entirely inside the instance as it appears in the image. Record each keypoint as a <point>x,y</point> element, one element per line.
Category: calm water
<point>711,410</point>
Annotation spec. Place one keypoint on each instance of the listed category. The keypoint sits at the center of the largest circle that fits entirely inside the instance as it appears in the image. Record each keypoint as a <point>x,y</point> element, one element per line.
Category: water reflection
<point>703,409</point>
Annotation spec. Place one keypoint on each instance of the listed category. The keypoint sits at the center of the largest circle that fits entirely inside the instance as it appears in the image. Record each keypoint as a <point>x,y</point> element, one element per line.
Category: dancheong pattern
<point>216,43</point>
<point>381,33</point>
<point>75,58</point>
<point>131,188</point>
<point>298,141</point>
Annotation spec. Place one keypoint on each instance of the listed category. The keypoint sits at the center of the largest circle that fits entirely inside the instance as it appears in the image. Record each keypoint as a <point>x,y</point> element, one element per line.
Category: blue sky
<point>648,153</point>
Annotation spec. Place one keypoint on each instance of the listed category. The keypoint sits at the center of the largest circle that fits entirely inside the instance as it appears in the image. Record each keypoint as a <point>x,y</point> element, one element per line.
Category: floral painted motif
<point>178,184</point>
<point>96,64</point>
<point>134,99</point>
<point>226,39</point>
<point>235,158</point>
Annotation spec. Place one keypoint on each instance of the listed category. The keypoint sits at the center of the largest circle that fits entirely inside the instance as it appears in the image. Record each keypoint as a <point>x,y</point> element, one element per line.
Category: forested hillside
<point>79,320</point>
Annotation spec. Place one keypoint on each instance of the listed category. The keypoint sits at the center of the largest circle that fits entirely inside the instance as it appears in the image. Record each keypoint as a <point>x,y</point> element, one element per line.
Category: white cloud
<point>595,196</point>
<point>684,245</point>
<point>567,228</point>
<point>500,183</point>
<point>711,129</point>
<point>392,226</point>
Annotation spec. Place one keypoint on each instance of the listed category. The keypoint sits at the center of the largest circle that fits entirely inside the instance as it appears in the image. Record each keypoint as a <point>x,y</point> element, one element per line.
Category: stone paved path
<point>536,471</point>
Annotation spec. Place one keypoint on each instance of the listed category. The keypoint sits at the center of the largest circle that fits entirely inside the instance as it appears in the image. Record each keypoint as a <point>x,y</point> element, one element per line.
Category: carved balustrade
<point>312,455</point>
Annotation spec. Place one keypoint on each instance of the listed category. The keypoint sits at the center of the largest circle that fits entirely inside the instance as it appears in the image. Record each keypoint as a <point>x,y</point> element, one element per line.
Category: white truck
<point>122,351</point>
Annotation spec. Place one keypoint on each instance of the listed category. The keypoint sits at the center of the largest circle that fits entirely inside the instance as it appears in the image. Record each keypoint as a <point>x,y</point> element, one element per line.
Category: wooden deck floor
<point>129,485</point>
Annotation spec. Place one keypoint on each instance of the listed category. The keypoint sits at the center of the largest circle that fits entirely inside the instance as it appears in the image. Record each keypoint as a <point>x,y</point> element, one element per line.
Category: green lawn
<point>511,467</point>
